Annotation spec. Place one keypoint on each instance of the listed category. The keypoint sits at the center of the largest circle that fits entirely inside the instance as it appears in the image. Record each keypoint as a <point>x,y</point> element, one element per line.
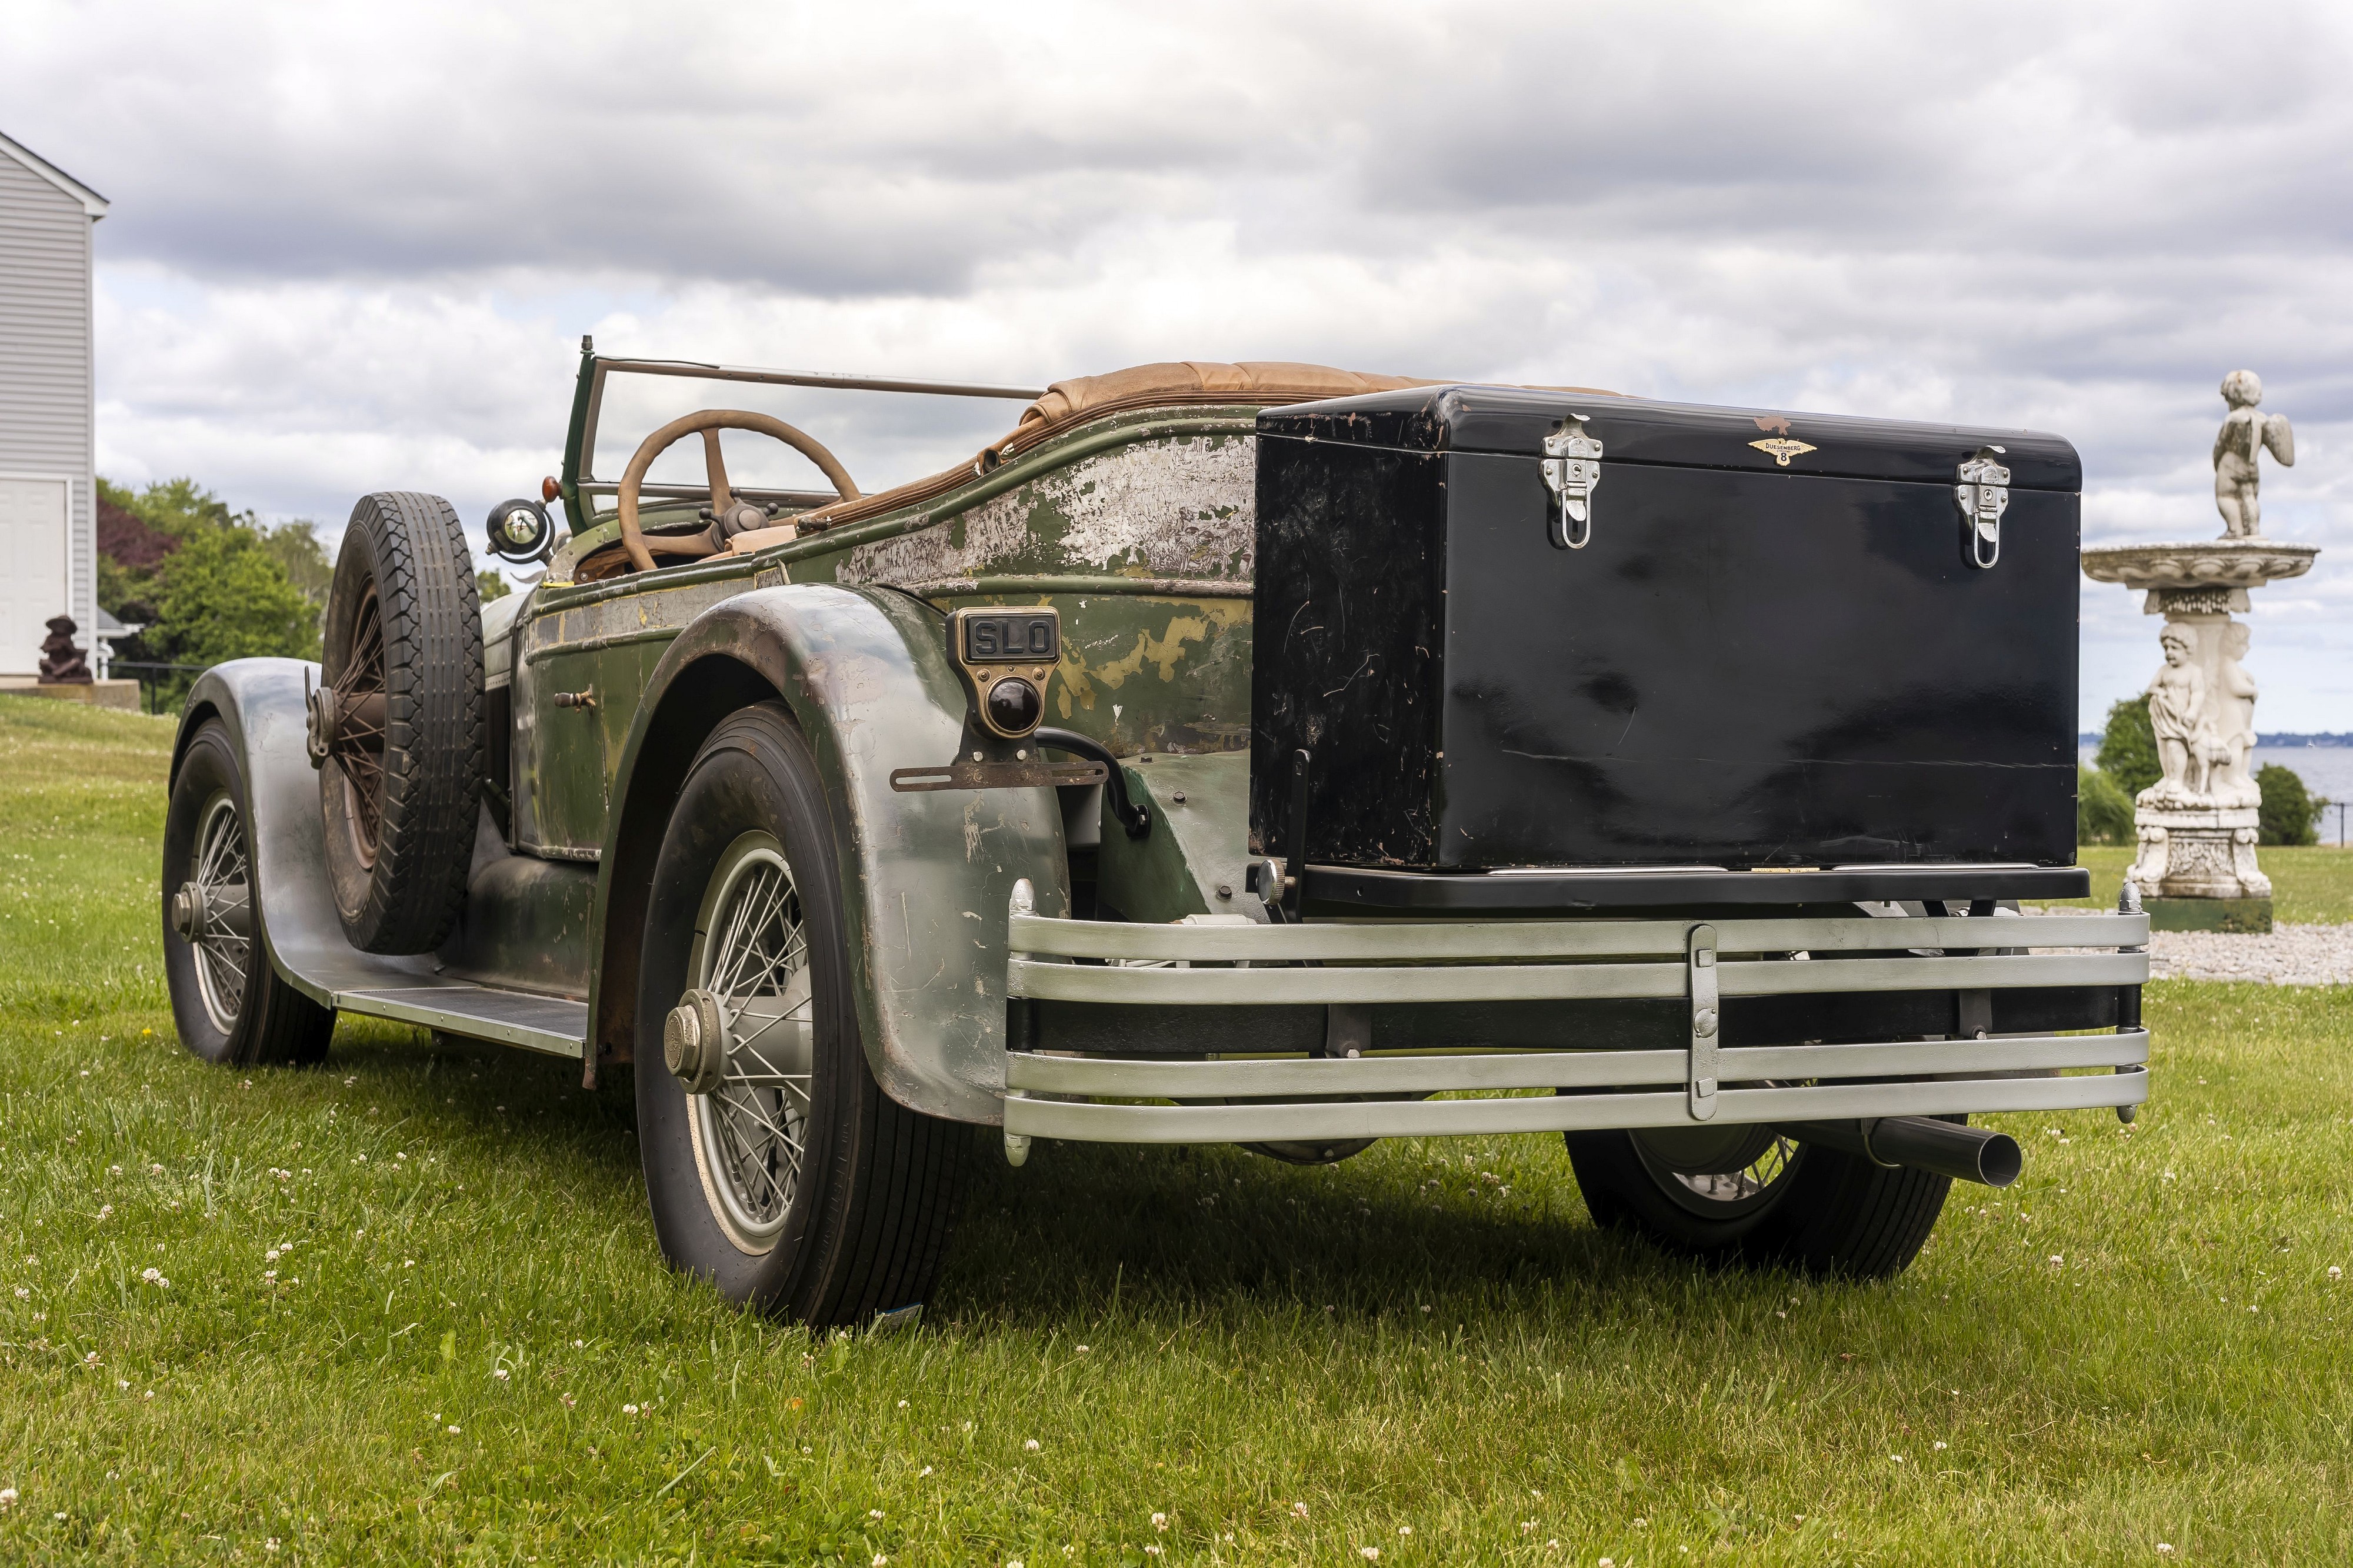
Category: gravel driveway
<point>2290,955</point>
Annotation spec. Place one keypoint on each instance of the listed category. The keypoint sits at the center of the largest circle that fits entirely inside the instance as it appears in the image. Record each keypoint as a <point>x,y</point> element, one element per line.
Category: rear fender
<point>262,703</point>
<point>927,874</point>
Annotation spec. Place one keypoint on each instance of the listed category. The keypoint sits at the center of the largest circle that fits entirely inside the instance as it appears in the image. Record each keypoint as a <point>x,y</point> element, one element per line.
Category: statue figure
<point>2243,438</point>
<point>2177,712</point>
<point>2230,714</point>
<point>62,663</point>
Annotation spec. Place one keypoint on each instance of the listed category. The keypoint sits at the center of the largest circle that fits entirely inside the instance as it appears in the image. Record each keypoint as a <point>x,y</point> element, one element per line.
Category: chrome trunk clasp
<point>1572,469</point>
<point>1984,495</point>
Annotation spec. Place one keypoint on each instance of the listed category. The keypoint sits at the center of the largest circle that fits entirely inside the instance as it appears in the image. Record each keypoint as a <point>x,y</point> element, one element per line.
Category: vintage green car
<point>1253,753</point>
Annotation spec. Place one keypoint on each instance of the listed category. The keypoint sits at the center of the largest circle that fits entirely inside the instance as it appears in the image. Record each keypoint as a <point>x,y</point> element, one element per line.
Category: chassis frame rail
<point>1353,967</point>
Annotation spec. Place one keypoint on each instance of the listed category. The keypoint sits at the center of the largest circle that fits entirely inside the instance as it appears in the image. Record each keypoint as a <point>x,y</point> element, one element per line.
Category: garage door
<point>31,569</point>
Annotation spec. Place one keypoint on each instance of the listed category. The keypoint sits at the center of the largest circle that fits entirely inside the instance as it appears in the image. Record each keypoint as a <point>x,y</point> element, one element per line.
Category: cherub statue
<point>2232,715</point>
<point>2177,712</point>
<point>2243,435</point>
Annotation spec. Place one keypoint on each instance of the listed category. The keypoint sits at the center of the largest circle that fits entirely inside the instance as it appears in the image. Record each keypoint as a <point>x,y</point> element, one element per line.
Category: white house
<point>49,489</point>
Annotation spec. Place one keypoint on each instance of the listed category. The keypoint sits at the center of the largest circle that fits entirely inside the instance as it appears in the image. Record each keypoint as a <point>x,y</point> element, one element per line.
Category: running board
<point>525,1018</point>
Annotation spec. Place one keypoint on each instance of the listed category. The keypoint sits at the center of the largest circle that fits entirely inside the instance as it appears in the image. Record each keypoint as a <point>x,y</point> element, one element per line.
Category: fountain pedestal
<point>2196,869</point>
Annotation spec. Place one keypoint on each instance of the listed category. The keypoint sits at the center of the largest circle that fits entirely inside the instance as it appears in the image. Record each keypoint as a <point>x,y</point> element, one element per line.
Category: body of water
<point>2325,770</point>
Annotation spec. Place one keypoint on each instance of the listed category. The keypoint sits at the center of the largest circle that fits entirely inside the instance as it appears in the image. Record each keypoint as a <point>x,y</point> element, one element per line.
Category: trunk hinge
<point>1984,495</point>
<point>1572,469</point>
<point>1706,1022</point>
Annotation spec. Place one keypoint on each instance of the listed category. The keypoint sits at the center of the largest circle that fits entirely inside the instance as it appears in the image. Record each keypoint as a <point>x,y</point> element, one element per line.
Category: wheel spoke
<point>754,1121</point>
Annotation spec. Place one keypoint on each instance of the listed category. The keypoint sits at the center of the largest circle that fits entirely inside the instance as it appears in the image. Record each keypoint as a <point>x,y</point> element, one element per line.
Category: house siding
<point>47,389</point>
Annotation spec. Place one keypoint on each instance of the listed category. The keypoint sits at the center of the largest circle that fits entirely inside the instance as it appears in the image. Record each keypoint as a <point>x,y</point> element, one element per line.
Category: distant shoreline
<point>2284,738</point>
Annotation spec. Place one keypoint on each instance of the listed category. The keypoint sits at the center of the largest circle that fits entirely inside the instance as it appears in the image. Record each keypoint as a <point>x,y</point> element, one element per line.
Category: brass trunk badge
<point>1780,448</point>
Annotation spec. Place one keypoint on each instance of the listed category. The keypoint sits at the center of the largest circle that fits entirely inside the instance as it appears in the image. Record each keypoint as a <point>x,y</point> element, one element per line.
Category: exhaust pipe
<point>1922,1142</point>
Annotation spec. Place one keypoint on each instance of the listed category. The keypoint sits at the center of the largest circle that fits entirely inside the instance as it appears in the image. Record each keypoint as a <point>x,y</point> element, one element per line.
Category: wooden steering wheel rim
<point>633,478</point>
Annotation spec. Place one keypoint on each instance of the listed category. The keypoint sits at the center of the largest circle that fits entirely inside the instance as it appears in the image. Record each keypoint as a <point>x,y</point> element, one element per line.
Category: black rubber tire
<point>1827,1214</point>
<point>411,549</point>
<point>273,1022</point>
<point>869,1222</point>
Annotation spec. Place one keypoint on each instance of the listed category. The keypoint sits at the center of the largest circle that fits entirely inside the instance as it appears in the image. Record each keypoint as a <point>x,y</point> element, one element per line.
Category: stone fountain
<point>2196,867</point>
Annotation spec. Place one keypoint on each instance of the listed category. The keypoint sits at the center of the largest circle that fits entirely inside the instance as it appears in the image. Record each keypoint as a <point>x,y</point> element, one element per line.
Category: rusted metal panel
<point>1176,507</point>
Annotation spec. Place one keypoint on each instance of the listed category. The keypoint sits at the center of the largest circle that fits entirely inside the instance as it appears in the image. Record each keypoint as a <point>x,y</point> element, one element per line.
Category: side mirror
<point>521,531</point>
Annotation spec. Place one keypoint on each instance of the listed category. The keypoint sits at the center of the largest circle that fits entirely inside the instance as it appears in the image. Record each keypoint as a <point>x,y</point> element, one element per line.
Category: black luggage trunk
<point>1773,649</point>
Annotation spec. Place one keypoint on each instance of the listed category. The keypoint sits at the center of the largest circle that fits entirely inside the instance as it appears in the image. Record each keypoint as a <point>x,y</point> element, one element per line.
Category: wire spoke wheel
<point>1732,1192</point>
<point>751,1131</point>
<point>358,746</point>
<point>223,882</point>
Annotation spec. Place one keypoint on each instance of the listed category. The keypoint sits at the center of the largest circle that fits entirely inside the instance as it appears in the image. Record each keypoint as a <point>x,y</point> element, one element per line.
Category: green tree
<point>295,546</point>
<point>2288,808</point>
<point>491,586</point>
<point>2128,750</point>
<point>2103,812</point>
<point>209,583</point>
<point>222,595</point>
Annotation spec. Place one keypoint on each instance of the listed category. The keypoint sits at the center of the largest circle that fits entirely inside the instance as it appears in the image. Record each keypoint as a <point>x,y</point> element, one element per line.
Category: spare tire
<point>397,724</point>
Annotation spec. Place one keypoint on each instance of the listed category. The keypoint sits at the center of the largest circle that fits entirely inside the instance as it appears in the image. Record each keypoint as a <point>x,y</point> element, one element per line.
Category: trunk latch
<point>1984,495</point>
<point>1572,467</point>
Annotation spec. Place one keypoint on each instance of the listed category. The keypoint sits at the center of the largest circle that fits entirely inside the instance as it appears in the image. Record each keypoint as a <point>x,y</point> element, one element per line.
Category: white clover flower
<point>1082,1349</point>
<point>1160,1521</point>
<point>1369,1553</point>
<point>500,1372</point>
<point>1153,1551</point>
<point>2334,1272</point>
<point>629,1410</point>
<point>1404,1530</point>
<point>2058,1260</point>
<point>921,1473</point>
<point>903,1404</point>
<point>271,1544</point>
<point>566,1401</point>
<point>114,1170</point>
<point>91,1359</point>
<point>269,1274</point>
<point>879,1561</point>
<point>22,1294</point>
<point>2165,1548</point>
<point>270,1256</point>
<point>1641,1525</point>
<point>1940,1447</point>
<point>1299,1511</point>
<point>7,1498</point>
<point>1029,1446</point>
<point>104,1210</point>
<point>874,1513</point>
<point>454,1430</point>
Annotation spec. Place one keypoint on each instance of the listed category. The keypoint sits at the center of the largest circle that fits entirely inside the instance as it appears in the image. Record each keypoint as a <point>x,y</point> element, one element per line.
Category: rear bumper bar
<point>1225,1086</point>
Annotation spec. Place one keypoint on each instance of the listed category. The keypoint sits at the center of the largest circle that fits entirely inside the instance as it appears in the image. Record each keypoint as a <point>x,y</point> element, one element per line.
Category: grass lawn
<point>2308,884</point>
<point>472,1351</point>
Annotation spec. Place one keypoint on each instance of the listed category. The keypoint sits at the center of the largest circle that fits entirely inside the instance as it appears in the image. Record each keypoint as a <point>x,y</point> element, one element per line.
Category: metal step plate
<point>550,1024</point>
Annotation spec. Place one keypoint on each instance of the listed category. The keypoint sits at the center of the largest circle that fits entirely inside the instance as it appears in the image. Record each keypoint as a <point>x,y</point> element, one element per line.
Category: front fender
<point>927,876</point>
<point>262,703</point>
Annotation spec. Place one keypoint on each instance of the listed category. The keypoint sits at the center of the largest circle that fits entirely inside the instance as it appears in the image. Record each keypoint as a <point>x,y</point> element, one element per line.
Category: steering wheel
<point>711,421</point>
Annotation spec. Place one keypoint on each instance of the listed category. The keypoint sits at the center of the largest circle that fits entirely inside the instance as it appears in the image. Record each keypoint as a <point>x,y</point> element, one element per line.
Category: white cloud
<point>355,246</point>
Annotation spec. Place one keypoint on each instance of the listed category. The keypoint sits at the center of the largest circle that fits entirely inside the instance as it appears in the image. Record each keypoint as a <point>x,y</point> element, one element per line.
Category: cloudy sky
<point>355,247</point>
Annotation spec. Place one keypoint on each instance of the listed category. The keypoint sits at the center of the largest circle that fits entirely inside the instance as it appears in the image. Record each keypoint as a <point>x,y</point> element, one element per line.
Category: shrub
<point>2103,812</point>
<point>2128,750</point>
<point>2288,809</point>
